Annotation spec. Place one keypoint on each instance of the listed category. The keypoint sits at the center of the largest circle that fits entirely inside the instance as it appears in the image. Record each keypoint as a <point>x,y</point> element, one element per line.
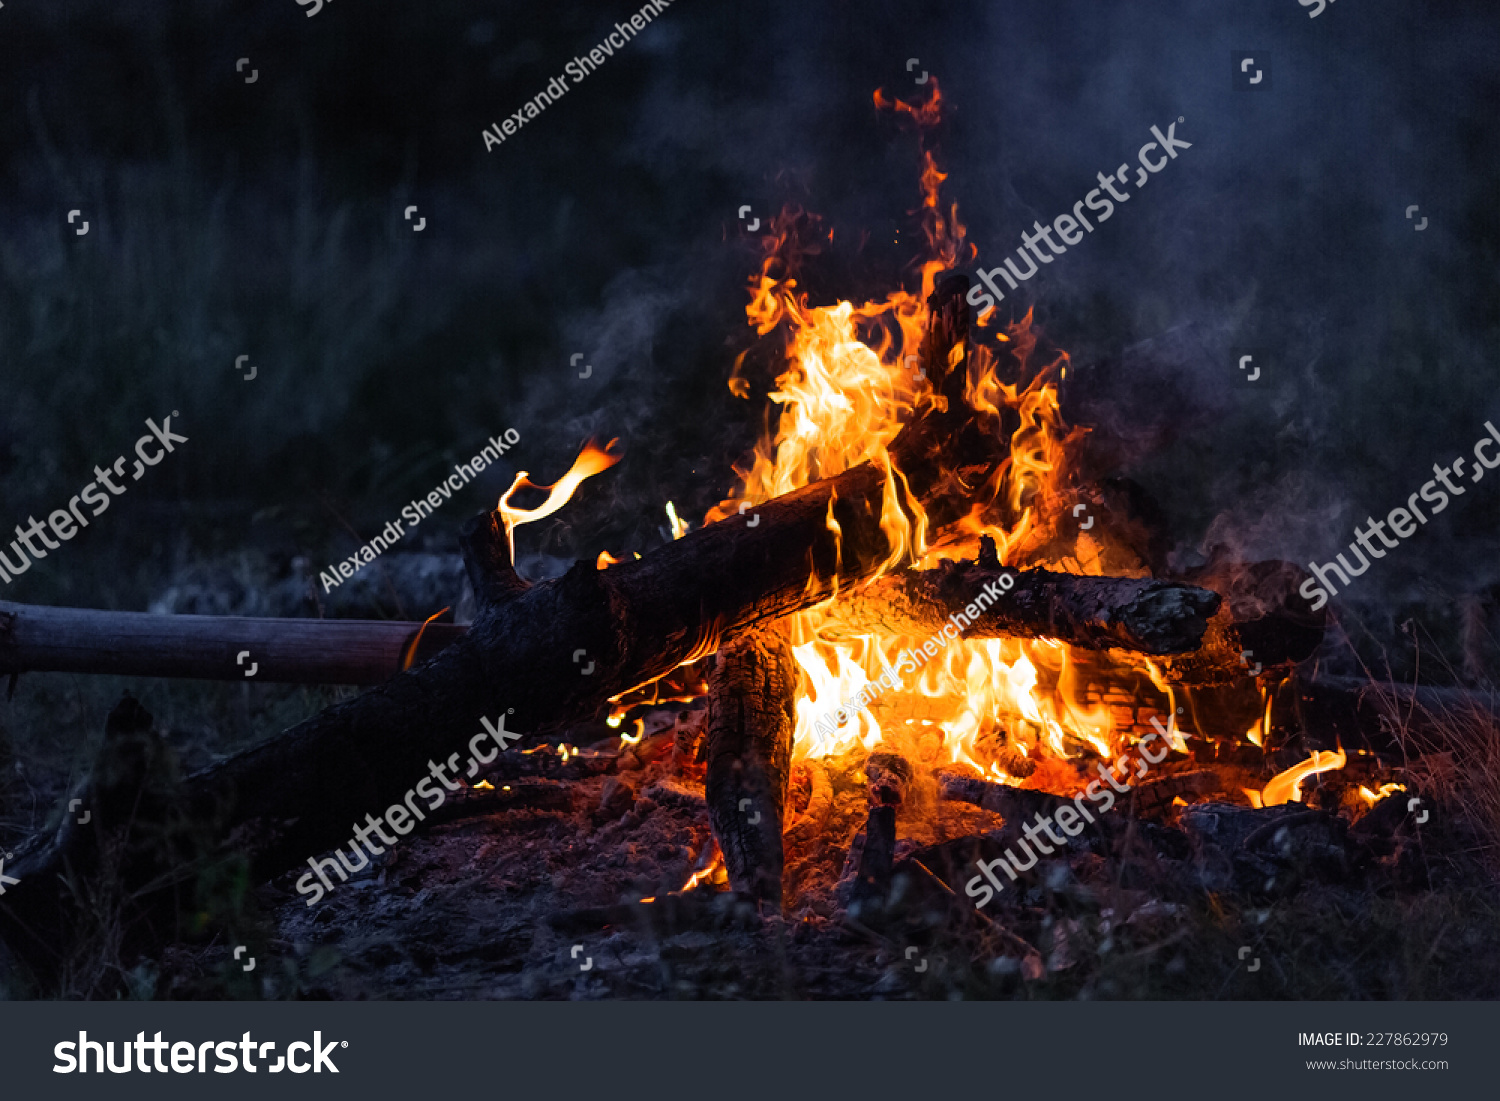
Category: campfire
<point>923,643</point>
<point>900,673</point>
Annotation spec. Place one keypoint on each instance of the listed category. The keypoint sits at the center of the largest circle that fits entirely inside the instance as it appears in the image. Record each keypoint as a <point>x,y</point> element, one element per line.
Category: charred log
<point>1139,614</point>
<point>1146,800</point>
<point>1145,615</point>
<point>1010,803</point>
<point>752,688</point>
<point>1263,627</point>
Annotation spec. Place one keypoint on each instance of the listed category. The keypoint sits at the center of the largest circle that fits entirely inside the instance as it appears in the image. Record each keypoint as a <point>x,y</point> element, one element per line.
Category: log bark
<point>752,688</point>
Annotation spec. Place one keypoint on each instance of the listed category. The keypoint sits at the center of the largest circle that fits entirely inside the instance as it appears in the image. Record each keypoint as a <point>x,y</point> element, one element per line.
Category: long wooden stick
<point>35,638</point>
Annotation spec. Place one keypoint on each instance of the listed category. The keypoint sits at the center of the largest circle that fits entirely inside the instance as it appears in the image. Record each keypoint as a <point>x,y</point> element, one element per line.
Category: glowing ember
<point>1373,797</point>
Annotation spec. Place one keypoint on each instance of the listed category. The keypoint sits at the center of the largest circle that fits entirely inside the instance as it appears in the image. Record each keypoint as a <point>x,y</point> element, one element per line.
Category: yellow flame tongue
<point>1286,787</point>
<point>592,460</point>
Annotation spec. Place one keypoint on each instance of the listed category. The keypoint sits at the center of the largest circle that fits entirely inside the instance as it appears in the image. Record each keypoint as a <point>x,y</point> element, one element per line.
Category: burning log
<point>1140,614</point>
<point>1143,615</point>
<point>521,662</point>
<point>1247,620</point>
<point>1153,797</point>
<point>752,689</point>
<point>1148,799</point>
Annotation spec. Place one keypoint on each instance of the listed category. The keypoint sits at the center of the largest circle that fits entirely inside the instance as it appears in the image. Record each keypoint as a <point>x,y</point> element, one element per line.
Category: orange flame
<point>1373,797</point>
<point>848,387</point>
<point>711,872</point>
<point>710,868</point>
<point>1286,787</point>
<point>591,460</point>
<point>411,651</point>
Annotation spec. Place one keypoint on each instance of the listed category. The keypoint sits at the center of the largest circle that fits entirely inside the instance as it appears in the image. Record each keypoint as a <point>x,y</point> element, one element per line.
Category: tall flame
<point>848,387</point>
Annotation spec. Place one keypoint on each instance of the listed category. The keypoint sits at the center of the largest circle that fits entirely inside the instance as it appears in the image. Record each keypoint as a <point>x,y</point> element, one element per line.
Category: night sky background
<point>265,219</point>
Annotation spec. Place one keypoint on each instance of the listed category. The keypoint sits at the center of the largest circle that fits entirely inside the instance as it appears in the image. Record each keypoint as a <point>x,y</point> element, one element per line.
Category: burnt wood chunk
<point>1010,803</point>
<point>752,688</point>
<point>887,778</point>
<point>1263,628</point>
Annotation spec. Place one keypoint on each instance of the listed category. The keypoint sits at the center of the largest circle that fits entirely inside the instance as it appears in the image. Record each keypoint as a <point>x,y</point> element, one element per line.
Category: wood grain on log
<point>751,718</point>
